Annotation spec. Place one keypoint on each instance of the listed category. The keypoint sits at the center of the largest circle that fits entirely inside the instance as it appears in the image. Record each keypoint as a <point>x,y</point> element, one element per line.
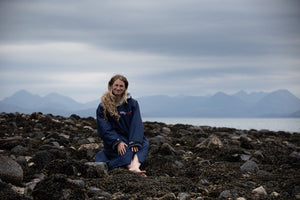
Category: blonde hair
<point>108,98</point>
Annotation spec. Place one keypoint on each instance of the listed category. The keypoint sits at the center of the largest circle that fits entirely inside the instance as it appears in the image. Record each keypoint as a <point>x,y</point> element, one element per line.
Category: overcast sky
<point>171,47</point>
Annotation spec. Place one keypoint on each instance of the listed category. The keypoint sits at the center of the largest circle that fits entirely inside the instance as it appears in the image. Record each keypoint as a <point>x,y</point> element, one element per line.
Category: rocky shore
<point>51,157</point>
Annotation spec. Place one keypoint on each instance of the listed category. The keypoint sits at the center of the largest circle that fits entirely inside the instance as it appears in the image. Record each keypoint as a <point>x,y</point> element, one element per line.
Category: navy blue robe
<point>128,129</point>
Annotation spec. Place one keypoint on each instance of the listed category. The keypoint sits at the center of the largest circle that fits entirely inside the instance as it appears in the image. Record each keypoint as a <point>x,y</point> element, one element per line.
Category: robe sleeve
<point>136,131</point>
<point>106,131</point>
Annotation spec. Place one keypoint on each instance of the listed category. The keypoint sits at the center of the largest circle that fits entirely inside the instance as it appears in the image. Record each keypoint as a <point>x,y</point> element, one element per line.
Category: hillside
<point>280,103</point>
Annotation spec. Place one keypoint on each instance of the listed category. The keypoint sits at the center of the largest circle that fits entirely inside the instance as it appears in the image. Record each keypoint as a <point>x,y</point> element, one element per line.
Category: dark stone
<point>10,170</point>
<point>249,166</point>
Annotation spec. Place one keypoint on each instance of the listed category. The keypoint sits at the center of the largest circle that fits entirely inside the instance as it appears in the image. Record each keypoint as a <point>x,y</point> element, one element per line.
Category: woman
<point>121,128</point>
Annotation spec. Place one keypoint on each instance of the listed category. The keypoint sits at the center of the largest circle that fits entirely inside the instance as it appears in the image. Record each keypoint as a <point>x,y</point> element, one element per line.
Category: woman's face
<point>118,87</point>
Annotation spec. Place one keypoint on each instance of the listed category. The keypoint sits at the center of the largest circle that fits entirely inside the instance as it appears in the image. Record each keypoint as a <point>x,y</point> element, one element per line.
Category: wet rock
<point>10,170</point>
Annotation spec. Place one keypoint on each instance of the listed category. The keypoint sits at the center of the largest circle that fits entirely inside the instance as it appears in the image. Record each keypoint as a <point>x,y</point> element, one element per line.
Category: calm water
<point>273,124</point>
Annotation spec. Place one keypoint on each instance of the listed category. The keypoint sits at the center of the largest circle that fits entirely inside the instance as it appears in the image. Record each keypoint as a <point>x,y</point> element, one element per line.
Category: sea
<point>272,124</point>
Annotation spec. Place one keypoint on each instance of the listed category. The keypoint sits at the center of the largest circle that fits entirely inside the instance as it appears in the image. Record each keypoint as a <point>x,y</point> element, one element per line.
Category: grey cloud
<point>210,44</point>
<point>189,28</point>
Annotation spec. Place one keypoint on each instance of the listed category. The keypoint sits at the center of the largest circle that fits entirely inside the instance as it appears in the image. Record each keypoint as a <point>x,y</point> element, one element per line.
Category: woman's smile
<point>118,87</point>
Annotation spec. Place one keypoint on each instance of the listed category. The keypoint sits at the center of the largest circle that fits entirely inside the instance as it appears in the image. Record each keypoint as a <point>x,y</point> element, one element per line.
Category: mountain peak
<point>220,94</point>
<point>23,93</point>
<point>280,101</point>
<point>23,98</point>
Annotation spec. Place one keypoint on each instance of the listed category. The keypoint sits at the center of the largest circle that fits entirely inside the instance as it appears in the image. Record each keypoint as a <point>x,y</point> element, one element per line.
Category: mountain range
<point>279,103</point>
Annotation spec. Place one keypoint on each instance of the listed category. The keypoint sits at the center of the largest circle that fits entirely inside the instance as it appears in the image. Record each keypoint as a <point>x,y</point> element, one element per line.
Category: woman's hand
<point>121,148</point>
<point>134,149</point>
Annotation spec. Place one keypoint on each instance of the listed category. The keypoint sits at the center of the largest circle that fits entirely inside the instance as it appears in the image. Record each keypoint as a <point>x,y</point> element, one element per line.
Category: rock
<point>169,196</point>
<point>226,194</point>
<point>100,165</point>
<point>56,144</point>
<point>260,191</point>
<point>183,196</point>
<point>296,192</point>
<point>211,142</point>
<point>246,142</point>
<point>245,157</point>
<point>79,183</point>
<point>42,158</point>
<point>13,127</point>
<point>184,132</point>
<point>295,154</point>
<point>178,164</point>
<point>274,194</point>
<point>10,170</point>
<point>158,140</point>
<point>17,149</point>
<point>166,130</point>
<point>167,149</point>
<point>6,192</point>
<point>58,187</point>
<point>249,166</point>
<point>259,155</point>
<point>204,182</point>
<point>93,146</point>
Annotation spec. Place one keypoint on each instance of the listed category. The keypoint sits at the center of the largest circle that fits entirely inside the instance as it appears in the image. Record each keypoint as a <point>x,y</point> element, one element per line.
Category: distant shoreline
<point>272,124</point>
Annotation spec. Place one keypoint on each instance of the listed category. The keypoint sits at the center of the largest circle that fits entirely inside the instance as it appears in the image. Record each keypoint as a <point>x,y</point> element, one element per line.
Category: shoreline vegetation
<point>52,157</point>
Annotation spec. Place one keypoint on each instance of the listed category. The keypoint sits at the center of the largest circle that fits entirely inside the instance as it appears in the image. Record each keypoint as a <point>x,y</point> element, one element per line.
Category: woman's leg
<point>134,166</point>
